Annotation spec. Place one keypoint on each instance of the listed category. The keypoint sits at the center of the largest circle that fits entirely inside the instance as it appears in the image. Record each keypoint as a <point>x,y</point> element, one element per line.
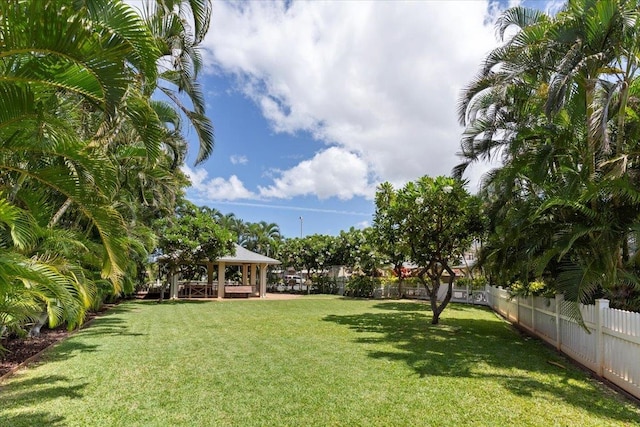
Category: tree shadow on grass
<point>108,326</point>
<point>407,304</point>
<point>32,419</point>
<point>414,305</point>
<point>33,391</point>
<point>465,347</point>
<point>64,350</point>
<point>400,305</point>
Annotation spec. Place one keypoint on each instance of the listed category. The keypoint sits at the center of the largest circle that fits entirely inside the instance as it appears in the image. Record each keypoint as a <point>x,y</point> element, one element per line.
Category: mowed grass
<point>314,361</point>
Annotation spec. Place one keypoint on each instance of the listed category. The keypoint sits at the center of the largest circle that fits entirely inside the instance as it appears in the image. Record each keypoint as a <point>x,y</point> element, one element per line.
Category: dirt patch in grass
<point>18,350</point>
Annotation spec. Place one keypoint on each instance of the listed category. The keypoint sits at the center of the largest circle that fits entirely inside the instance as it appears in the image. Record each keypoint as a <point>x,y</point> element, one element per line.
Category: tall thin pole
<point>301,227</point>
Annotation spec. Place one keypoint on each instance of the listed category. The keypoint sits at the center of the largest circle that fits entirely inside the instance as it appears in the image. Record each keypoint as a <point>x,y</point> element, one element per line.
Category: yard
<point>316,360</point>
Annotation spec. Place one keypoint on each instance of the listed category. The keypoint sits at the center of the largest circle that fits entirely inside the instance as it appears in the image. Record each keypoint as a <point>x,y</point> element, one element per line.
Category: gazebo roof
<point>245,256</point>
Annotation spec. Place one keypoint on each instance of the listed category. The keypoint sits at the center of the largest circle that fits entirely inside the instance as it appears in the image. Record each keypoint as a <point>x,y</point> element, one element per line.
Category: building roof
<point>245,256</point>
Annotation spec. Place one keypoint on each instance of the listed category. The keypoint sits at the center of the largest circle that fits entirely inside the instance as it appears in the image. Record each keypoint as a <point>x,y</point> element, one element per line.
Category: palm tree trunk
<point>590,157</point>
<point>624,97</point>
<point>35,329</point>
<point>17,186</point>
<point>59,213</point>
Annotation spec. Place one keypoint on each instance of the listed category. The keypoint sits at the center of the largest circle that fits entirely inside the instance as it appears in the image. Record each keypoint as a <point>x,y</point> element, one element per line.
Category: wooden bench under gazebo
<point>254,277</point>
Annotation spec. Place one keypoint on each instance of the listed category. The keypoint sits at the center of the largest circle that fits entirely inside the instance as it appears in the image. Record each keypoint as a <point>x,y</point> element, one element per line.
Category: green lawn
<point>313,361</point>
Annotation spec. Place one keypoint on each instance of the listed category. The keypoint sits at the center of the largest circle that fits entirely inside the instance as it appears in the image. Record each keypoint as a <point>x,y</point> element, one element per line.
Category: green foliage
<point>386,235</point>
<point>475,283</point>
<point>438,218</point>
<point>361,286</point>
<point>557,101</point>
<point>88,161</point>
<point>432,221</point>
<point>192,236</point>
<point>535,288</point>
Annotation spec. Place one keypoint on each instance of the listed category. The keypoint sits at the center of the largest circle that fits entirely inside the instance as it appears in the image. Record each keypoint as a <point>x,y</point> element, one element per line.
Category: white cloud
<point>332,172</point>
<point>217,188</point>
<point>238,159</point>
<point>363,224</point>
<point>377,81</point>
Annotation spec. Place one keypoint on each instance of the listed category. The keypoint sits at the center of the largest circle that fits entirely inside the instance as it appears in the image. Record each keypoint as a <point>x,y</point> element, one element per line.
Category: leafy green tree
<point>87,156</point>
<point>180,61</point>
<point>260,236</point>
<point>558,101</point>
<point>191,237</point>
<point>358,250</point>
<point>438,220</point>
<point>385,232</point>
<point>67,81</point>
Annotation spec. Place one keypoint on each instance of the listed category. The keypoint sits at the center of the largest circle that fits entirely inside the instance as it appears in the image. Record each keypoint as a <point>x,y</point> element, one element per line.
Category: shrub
<point>535,288</point>
<point>476,283</point>
<point>324,285</point>
<point>361,286</point>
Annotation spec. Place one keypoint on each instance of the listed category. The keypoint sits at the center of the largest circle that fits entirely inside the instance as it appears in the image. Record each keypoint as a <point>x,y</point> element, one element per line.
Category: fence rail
<point>610,346</point>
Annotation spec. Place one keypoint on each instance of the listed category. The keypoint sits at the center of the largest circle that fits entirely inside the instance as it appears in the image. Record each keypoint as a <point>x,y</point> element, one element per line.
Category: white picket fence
<point>611,348</point>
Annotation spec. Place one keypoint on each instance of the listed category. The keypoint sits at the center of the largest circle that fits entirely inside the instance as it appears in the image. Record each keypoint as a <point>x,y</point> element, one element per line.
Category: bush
<point>535,288</point>
<point>476,283</point>
<point>361,286</point>
<point>324,285</point>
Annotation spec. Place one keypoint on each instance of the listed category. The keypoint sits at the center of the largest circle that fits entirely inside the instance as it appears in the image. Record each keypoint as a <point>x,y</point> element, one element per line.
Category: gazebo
<point>254,277</point>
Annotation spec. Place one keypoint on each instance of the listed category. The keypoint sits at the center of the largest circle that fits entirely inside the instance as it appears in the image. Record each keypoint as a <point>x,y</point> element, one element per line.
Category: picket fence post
<point>601,305</point>
<point>559,299</point>
<point>533,314</point>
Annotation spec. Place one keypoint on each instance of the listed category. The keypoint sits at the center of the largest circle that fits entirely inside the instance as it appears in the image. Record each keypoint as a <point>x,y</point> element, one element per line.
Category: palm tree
<point>75,114</point>
<point>43,75</point>
<point>181,61</point>
<point>550,101</point>
<point>268,236</point>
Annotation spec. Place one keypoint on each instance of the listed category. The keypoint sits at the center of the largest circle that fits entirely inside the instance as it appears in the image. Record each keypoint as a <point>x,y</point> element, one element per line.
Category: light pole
<point>301,281</point>
<point>301,227</point>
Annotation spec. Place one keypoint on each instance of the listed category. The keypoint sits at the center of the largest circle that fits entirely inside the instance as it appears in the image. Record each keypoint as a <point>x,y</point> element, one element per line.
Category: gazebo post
<point>245,273</point>
<point>209,277</point>
<point>253,275</point>
<point>263,280</point>
<point>221,280</point>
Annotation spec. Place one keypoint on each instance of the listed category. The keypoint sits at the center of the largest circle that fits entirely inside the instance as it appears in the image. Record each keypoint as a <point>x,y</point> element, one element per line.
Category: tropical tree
<point>385,232</point>
<point>557,100</point>
<point>88,159</point>
<point>179,26</point>
<point>67,80</point>
<point>191,237</point>
<point>259,237</point>
<point>438,220</point>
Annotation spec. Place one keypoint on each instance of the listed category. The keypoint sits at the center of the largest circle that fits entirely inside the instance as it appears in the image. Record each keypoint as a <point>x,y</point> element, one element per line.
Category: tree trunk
<point>59,214</point>
<point>590,160</point>
<point>437,310</point>
<point>434,302</point>
<point>398,270</point>
<point>35,329</point>
<point>17,186</point>
<point>162,285</point>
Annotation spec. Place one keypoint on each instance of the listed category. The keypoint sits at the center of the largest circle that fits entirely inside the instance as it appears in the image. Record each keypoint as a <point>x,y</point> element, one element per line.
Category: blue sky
<point>315,103</point>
